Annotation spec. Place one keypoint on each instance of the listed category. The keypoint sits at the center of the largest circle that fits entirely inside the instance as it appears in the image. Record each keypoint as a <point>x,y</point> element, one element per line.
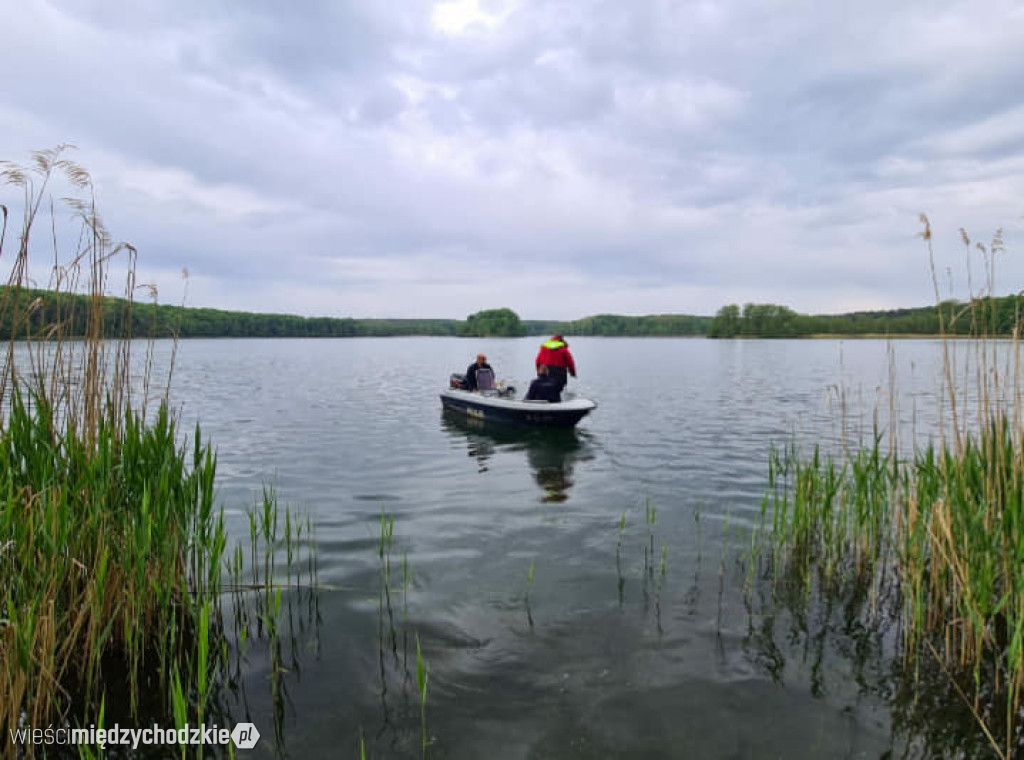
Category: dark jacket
<point>545,388</point>
<point>471,374</point>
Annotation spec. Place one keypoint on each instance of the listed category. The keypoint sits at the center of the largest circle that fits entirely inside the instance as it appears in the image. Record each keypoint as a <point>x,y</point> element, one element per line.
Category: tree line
<point>983,316</point>
<point>621,325</point>
<point>25,312</point>
<point>28,312</point>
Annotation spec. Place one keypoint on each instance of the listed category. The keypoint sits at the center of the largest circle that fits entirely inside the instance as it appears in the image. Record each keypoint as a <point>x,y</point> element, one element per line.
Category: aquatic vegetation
<point>934,540</point>
<point>392,667</point>
<point>387,534</point>
<point>661,583</point>
<point>422,678</point>
<point>111,543</point>
<point>111,547</point>
<point>654,569</point>
<point>258,605</point>
<point>650,516</point>
<point>618,558</point>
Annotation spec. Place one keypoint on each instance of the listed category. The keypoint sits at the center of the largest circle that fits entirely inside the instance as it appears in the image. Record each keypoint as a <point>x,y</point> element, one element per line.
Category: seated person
<point>545,387</point>
<point>480,363</point>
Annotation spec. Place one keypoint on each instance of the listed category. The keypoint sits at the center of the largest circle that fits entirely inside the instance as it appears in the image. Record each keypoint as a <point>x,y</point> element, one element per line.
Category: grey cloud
<point>382,103</point>
<point>783,146</point>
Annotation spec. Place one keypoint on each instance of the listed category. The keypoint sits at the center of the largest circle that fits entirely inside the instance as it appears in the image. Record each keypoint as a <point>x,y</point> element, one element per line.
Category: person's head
<point>542,370</point>
<point>481,360</point>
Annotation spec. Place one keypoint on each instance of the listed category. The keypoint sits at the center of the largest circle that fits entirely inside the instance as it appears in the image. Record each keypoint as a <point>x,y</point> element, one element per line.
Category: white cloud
<point>467,16</point>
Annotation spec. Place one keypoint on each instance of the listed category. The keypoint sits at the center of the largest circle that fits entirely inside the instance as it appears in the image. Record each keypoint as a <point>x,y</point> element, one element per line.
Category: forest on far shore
<point>36,312</point>
<point>984,316</point>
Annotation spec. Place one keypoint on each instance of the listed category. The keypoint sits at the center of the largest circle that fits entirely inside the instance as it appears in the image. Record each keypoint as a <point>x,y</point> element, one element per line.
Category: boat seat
<point>484,379</point>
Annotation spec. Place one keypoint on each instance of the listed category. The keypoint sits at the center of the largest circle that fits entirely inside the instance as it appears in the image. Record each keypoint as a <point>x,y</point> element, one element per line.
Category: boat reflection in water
<point>552,453</point>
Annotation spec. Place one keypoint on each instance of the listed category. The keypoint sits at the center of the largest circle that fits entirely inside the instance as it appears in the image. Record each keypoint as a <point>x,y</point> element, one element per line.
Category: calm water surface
<point>595,657</point>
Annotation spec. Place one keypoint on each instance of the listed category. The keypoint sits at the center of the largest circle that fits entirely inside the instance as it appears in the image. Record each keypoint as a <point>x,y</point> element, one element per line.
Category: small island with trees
<point>492,323</point>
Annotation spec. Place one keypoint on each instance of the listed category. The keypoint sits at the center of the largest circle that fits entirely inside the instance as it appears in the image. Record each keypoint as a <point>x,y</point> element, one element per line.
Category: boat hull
<point>481,406</point>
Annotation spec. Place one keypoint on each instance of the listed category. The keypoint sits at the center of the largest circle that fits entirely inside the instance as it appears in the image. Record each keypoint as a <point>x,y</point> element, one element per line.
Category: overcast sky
<point>558,157</point>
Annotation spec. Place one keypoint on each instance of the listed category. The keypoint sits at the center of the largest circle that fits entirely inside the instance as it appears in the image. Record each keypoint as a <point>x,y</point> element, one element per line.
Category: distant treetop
<point>493,323</point>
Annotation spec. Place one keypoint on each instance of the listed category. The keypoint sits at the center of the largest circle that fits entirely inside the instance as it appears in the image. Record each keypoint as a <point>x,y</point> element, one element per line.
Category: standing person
<point>555,354</point>
<point>480,363</point>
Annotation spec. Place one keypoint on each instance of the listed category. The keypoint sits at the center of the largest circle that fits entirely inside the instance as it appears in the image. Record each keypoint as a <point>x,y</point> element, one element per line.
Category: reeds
<point>110,542</point>
<point>394,667</point>
<point>651,585</point>
<point>111,547</point>
<point>422,679</point>
<point>936,539</point>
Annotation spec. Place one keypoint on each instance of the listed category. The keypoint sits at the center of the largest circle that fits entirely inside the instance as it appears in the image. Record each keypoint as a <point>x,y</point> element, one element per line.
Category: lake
<point>548,629</point>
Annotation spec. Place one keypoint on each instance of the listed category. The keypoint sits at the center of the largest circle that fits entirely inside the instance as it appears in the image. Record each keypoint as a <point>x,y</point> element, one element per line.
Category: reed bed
<point>111,548</point>
<point>935,538</point>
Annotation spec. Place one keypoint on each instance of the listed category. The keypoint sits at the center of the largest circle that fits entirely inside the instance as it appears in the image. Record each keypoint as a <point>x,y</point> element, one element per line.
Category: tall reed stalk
<point>938,536</point>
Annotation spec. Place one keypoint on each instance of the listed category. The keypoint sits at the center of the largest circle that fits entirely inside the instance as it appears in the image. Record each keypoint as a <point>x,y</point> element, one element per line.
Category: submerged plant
<point>618,558</point>
<point>650,516</point>
<point>663,569</point>
<point>422,677</point>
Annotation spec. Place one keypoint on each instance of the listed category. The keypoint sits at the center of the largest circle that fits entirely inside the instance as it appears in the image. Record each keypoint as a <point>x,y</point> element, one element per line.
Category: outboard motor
<point>457,381</point>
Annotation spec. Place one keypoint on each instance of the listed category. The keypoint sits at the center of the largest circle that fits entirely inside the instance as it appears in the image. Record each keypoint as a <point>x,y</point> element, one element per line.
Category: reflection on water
<point>551,453</point>
<point>833,637</point>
